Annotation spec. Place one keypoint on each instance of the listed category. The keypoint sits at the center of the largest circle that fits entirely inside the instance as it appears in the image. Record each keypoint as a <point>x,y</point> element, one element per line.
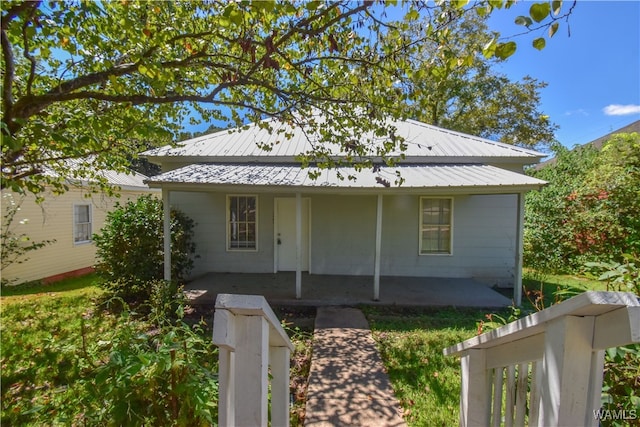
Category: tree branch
<point>548,24</point>
<point>8,76</point>
<point>26,54</point>
<point>15,10</point>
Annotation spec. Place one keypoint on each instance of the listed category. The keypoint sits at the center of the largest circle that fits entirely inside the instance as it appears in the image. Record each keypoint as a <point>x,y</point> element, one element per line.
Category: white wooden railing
<point>545,369</point>
<point>251,342</point>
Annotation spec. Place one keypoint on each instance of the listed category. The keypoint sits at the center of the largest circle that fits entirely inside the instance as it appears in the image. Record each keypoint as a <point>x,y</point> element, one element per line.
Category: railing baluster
<point>496,419</point>
<point>521,393</point>
<point>509,401</point>
<point>534,393</point>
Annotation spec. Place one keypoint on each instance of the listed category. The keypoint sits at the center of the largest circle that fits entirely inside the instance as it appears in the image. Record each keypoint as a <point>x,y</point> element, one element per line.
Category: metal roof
<point>120,179</point>
<point>133,179</point>
<point>432,176</point>
<point>425,143</point>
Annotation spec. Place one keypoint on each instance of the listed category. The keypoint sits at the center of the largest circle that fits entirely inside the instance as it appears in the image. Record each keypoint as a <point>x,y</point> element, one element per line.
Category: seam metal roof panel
<point>420,176</point>
<point>422,140</point>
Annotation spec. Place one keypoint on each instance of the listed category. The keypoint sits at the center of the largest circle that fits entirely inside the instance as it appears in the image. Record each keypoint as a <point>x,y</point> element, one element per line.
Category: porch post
<point>376,268</point>
<point>298,245</point>
<point>166,218</point>
<point>517,285</point>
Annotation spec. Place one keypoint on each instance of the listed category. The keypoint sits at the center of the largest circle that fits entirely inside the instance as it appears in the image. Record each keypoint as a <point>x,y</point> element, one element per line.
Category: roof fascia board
<point>84,184</point>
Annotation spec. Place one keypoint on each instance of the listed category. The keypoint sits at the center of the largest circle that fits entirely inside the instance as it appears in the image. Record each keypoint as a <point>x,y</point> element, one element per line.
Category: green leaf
<point>553,28</point>
<point>412,15</point>
<point>235,17</point>
<point>523,20</point>
<point>459,4</point>
<point>489,50</point>
<point>539,11</point>
<point>539,43</point>
<point>505,50</point>
<point>145,71</point>
<point>314,5</point>
<point>556,5</point>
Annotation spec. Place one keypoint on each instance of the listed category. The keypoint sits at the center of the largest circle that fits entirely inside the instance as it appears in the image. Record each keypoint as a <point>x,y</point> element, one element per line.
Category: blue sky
<point>591,73</point>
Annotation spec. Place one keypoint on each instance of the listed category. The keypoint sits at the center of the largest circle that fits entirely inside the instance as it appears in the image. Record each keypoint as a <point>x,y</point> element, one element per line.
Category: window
<point>242,222</point>
<point>435,225</point>
<point>81,223</point>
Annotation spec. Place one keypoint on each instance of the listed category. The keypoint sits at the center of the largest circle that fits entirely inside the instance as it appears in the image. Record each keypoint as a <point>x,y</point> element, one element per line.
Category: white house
<point>457,214</point>
<point>70,219</point>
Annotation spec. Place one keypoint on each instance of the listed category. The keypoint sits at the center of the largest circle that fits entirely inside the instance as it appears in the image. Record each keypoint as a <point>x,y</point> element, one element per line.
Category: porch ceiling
<point>424,177</point>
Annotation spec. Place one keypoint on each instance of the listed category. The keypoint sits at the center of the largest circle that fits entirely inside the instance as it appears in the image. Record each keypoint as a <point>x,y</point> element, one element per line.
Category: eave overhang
<point>432,178</point>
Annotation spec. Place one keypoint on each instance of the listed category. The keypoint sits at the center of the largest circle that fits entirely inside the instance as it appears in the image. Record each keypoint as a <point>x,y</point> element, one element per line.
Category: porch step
<point>347,382</point>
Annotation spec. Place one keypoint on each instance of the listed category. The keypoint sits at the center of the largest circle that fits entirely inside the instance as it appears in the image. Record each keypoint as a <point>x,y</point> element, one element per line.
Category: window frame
<point>421,251</point>
<point>228,223</point>
<point>76,223</point>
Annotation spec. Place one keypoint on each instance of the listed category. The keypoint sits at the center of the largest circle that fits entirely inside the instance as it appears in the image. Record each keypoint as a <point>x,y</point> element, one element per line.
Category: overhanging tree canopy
<point>99,81</point>
<point>474,98</point>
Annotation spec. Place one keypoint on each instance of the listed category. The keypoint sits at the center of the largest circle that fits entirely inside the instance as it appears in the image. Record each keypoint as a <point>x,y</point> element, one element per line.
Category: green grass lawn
<point>83,285</point>
<point>42,335</point>
<point>426,382</point>
<point>57,340</point>
<point>51,334</point>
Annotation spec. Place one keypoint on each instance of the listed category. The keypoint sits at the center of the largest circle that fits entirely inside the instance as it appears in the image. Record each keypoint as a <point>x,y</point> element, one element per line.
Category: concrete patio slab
<point>323,290</point>
<point>348,385</point>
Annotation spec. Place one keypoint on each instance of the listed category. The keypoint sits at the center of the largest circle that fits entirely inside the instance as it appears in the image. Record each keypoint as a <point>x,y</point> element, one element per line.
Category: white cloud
<point>621,110</point>
<point>578,112</point>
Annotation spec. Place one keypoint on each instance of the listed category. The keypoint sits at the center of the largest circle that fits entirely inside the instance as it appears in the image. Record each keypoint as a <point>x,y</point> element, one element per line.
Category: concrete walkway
<point>348,385</point>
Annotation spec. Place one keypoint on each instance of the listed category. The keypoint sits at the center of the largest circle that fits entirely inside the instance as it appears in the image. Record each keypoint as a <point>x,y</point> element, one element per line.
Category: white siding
<point>343,236</point>
<point>208,212</point>
<point>53,219</point>
<point>483,239</point>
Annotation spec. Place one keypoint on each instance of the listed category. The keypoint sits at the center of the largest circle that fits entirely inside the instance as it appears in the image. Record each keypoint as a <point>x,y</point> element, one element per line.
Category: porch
<point>328,290</point>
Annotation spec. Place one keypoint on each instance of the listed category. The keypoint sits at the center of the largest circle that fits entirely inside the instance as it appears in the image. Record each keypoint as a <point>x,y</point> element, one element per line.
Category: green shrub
<point>589,212</point>
<point>67,361</point>
<point>621,391</point>
<point>154,376</point>
<point>130,248</point>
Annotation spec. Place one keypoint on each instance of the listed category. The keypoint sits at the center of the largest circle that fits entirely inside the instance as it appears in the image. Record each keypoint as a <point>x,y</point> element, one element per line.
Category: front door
<point>285,229</point>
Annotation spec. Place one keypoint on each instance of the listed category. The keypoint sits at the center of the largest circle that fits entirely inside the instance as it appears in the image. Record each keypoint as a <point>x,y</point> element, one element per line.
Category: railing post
<point>252,379</point>
<point>224,336</point>
<point>251,340</point>
<point>567,368</point>
<point>475,401</point>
